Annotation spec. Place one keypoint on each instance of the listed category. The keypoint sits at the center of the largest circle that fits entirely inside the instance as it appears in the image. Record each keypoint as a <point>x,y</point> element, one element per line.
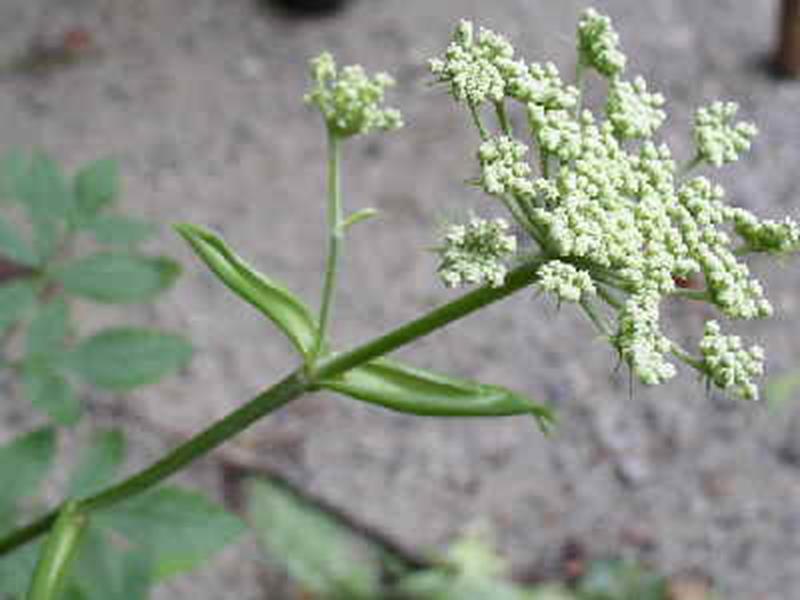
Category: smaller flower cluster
<point>504,167</point>
<point>598,44</point>
<point>475,253</point>
<point>728,364</point>
<point>475,69</point>
<point>566,282</point>
<point>718,139</point>
<point>350,101</point>
<point>766,235</point>
<point>640,341</point>
<point>633,111</point>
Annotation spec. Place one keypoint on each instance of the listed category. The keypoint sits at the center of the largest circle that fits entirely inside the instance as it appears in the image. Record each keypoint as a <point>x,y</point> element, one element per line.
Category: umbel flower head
<point>613,220</point>
<point>349,100</point>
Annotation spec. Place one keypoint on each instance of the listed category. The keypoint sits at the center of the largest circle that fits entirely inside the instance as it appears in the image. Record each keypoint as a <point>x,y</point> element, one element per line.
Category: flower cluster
<point>598,44</point>
<point>350,101</point>
<point>718,139</point>
<point>564,281</point>
<point>632,110</point>
<point>728,364</point>
<point>614,220</point>
<point>474,253</point>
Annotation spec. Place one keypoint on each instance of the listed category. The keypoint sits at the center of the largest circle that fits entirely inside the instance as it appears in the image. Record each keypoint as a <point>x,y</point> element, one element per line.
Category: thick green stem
<point>335,238</point>
<point>476,118</point>
<point>282,392</point>
<point>502,117</point>
<point>290,388</point>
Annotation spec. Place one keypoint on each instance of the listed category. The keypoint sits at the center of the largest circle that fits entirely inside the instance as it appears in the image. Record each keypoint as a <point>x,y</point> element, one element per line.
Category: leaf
<point>46,236</point>
<point>25,462</point>
<point>124,358</point>
<point>17,568</point>
<point>105,572</point>
<point>177,528</point>
<point>48,330</point>
<point>49,391</point>
<point>96,186</point>
<point>410,390</point>
<point>98,463</point>
<point>358,216</point>
<point>614,579</point>
<point>15,300</point>
<point>279,305</point>
<point>118,277</point>
<point>44,189</point>
<point>115,230</point>
<point>13,247</point>
<point>322,555</point>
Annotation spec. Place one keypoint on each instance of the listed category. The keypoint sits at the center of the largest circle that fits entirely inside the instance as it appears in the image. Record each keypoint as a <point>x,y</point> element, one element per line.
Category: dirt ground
<point>200,100</point>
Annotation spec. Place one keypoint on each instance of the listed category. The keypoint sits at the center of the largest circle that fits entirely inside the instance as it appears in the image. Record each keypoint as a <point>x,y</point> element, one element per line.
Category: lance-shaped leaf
<point>410,390</point>
<point>276,302</point>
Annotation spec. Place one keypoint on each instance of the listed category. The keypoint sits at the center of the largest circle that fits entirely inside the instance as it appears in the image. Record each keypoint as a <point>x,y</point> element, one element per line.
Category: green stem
<point>476,118</point>
<point>57,555</point>
<point>580,71</point>
<point>282,392</point>
<point>436,319</point>
<point>502,117</point>
<point>288,389</point>
<point>335,238</point>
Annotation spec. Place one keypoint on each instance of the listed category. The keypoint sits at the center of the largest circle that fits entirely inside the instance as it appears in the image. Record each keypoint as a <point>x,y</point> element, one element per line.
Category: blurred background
<point>200,101</point>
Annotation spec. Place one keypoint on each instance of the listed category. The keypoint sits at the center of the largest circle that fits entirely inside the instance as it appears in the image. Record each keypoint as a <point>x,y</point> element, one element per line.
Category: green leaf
<point>48,330</point>
<point>178,528</point>
<point>410,390</point>
<point>276,302</point>
<point>17,568</point>
<point>49,391</point>
<point>98,463</point>
<point>115,230</point>
<point>16,299</point>
<point>44,189</point>
<point>46,236</point>
<point>124,358</point>
<point>322,555</point>
<point>105,572</point>
<point>25,462</point>
<point>358,216</point>
<point>96,186</point>
<point>118,277</point>
<point>13,247</point>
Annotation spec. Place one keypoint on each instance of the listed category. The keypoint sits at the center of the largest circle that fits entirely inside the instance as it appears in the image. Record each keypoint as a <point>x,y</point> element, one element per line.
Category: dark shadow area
<point>304,9</point>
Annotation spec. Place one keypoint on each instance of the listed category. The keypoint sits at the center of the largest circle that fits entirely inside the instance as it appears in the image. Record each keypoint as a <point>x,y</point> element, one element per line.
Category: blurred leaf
<point>44,189</point>
<point>98,463</point>
<point>115,230</point>
<point>46,236</point>
<point>17,568</point>
<point>48,330</point>
<point>49,391</point>
<point>14,247</point>
<point>105,572</point>
<point>14,168</point>
<point>118,277</point>
<point>551,591</point>
<point>15,300</point>
<point>621,580</point>
<point>323,556</point>
<point>410,390</point>
<point>124,358</point>
<point>96,186</point>
<point>273,300</point>
<point>178,528</point>
<point>25,462</point>
<point>358,216</point>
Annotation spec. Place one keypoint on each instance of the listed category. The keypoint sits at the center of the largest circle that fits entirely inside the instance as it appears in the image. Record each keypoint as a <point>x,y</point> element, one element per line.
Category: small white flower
<point>728,364</point>
<point>475,253</point>
<point>566,282</point>
<point>598,44</point>
<point>718,139</point>
<point>633,111</point>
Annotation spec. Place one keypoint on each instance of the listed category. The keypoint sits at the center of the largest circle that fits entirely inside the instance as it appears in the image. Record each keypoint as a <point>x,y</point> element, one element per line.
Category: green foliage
<point>124,358</point>
<point>98,462</point>
<point>322,555</point>
<point>277,303</point>
<point>16,299</point>
<point>178,528</point>
<point>406,389</point>
<point>621,580</point>
<point>25,461</point>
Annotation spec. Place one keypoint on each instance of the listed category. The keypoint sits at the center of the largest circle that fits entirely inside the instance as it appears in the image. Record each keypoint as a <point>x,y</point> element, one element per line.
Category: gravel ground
<point>201,102</point>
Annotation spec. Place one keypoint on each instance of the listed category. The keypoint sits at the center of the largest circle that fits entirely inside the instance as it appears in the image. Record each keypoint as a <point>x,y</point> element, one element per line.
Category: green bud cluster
<point>474,253</point>
<point>605,204</point>
<point>349,100</point>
